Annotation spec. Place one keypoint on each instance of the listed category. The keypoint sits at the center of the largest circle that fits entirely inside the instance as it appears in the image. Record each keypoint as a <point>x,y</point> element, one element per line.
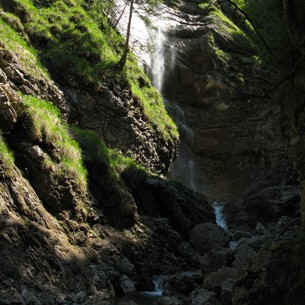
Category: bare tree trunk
<point>122,13</point>
<point>126,49</point>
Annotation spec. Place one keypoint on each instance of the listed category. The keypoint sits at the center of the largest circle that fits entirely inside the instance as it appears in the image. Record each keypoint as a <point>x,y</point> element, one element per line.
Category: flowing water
<point>152,46</point>
<point>221,221</point>
<point>220,218</point>
<point>158,291</point>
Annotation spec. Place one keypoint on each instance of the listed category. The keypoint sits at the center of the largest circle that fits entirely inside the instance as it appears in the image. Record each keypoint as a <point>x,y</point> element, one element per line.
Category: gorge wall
<point>86,215</point>
<point>217,91</point>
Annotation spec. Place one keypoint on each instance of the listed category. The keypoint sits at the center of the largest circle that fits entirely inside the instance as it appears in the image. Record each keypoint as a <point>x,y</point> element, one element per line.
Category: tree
<point>123,59</point>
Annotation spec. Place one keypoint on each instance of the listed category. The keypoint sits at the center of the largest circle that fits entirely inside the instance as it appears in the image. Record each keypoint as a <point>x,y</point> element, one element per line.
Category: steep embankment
<point>79,49</point>
<point>235,90</point>
<point>82,223</point>
<point>220,83</point>
<point>71,228</point>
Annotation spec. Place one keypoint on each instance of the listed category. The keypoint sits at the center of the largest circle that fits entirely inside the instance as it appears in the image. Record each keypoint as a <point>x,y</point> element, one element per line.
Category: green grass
<point>81,43</point>
<point>48,128</point>
<point>13,41</point>
<point>5,154</point>
<point>95,150</point>
<point>150,99</point>
<point>227,25</point>
<point>270,22</point>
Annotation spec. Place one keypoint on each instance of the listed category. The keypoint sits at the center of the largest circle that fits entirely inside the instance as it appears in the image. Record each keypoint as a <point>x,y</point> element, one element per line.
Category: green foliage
<point>75,37</point>
<point>150,99</point>
<point>95,150</point>
<point>13,41</point>
<point>268,18</point>
<point>47,127</point>
<point>228,26</point>
<point>6,155</point>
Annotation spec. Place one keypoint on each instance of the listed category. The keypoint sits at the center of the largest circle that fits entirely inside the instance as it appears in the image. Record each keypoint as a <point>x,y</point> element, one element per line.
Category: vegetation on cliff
<point>71,34</point>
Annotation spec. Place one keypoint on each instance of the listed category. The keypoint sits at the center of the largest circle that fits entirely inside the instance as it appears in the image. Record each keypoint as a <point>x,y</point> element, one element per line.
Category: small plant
<point>83,41</point>
<point>6,155</point>
<point>46,127</point>
<point>95,150</point>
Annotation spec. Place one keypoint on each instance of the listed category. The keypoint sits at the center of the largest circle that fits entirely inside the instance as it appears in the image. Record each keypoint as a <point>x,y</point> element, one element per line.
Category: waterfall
<point>158,59</point>
<point>220,218</point>
<point>221,221</point>
<point>157,53</point>
<point>158,282</point>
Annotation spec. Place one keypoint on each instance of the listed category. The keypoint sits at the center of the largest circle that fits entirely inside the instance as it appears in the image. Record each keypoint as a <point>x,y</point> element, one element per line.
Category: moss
<point>84,43</point>
<point>27,56</point>
<point>227,26</point>
<point>95,150</point>
<point>6,156</point>
<point>268,18</point>
<point>150,100</point>
<point>46,127</point>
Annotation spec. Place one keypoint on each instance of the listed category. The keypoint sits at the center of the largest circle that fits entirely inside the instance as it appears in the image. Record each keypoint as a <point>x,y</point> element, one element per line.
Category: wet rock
<point>125,266</point>
<point>184,282</point>
<point>236,235</point>
<point>255,242</point>
<point>260,229</point>
<point>222,281</point>
<point>186,249</point>
<point>158,197</point>
<point>273,269</point>
<point>207,236</point>
<point>265,201</point>
<point>215,259</point>
<point>169,300</point>
<point>243,256</point>
<point>80,297</point>
<point>127,285</point>
<point>203,297</point>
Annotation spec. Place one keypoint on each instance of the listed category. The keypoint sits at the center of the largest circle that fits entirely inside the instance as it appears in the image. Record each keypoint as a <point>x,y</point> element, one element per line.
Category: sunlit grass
<point>5,154</point>
<point>47,127</point>
<point>95,150</point>
<point>71,40</point>
<point>13,41</point>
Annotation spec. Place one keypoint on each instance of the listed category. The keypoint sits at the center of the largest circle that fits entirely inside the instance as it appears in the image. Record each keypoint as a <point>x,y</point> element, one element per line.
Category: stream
<point>157,56</point>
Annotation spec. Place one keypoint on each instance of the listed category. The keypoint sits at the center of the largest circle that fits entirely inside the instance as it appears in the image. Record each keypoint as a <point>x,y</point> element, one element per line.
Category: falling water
<point>158,59</point>
<point>158,282</point>
<point>220,218</point>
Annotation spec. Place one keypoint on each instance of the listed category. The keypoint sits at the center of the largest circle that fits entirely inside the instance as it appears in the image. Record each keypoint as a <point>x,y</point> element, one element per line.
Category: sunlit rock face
<point>204,67</point>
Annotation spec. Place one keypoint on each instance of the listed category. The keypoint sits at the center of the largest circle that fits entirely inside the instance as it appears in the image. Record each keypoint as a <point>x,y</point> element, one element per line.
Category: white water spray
<point>220,218</point>
<point>158,282</point>
<point>158,58</point>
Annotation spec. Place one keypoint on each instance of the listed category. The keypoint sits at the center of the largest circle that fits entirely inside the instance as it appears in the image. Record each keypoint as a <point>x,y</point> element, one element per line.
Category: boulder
<point>207,236</point>
<point>202,296</point>
<point>264,201</point>
<point>222,281</point>
<point>184,282</point>
<point>158,197</point>
<point>215,259</point>
<point>127,285</point>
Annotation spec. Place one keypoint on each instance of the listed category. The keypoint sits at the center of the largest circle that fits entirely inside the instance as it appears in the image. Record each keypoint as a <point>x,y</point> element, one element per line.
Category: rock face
<point>219,96</point>
<point>208,236</point>
<point>108,107</point>
<point>265,200</point>
<point>77,229</point>
<point>156,197</point>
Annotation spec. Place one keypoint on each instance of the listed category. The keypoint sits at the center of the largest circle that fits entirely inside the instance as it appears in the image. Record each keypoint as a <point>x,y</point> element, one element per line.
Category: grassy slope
<point>6,156</point>
<point>270,23</point>
<point>81,43</point>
